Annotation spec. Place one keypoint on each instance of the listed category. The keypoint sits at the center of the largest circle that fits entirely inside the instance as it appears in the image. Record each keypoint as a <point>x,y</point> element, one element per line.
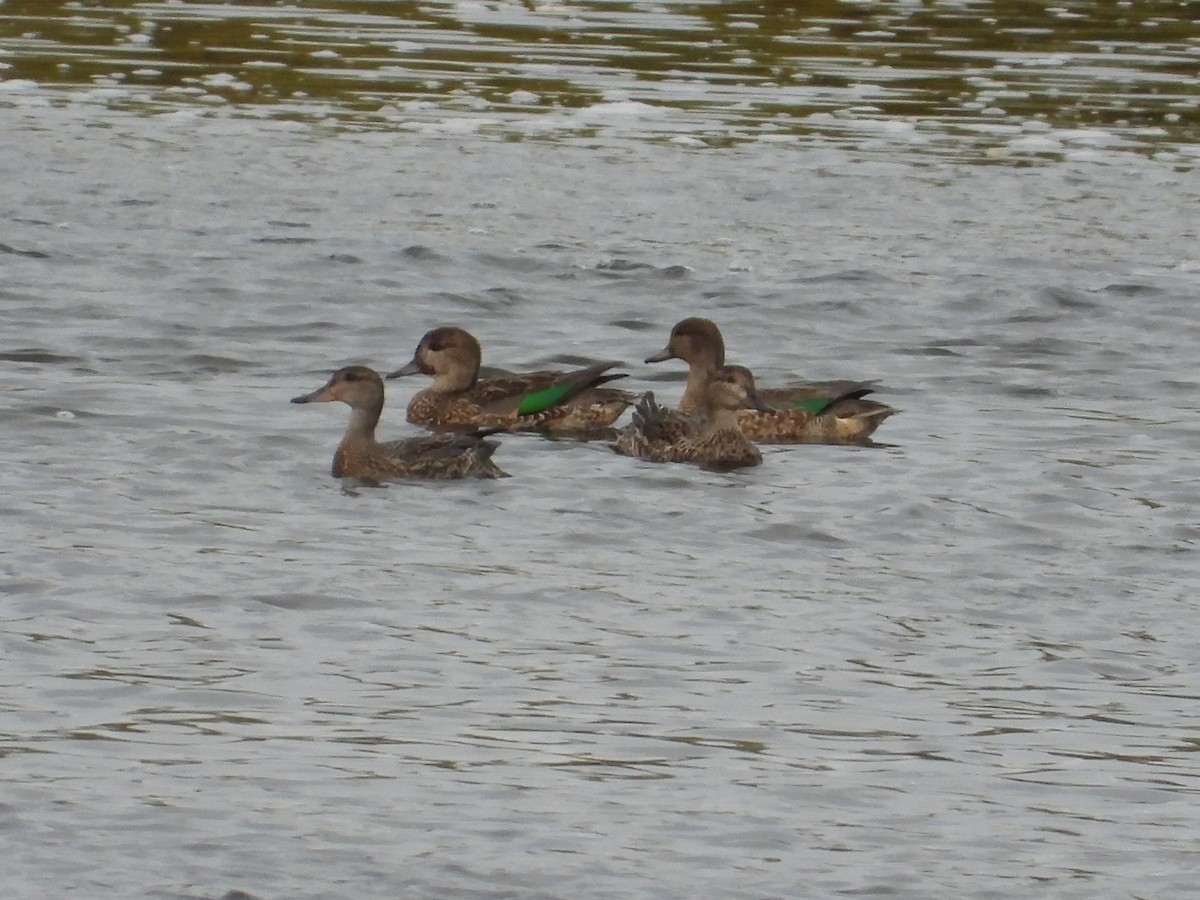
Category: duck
<point>359,455</point>
<point>711,438</point>
<point>817,412</point>
<point>557,403</point>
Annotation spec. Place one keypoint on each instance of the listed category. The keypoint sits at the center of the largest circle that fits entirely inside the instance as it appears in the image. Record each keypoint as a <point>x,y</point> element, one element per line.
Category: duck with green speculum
<point>710,438</point>
<point>559,403</point>
<point>819,412</point>
<point>360,455</point>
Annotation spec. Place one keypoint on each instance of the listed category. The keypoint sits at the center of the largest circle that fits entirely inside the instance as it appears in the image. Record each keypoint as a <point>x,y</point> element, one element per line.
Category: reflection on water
<point>1023,78</point>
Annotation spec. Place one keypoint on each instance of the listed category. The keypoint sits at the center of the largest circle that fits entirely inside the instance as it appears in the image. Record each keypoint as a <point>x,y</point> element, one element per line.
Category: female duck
<point>359,455</point>
<point>825,412</point>
<point>555,402</point>
<point>712,438</point>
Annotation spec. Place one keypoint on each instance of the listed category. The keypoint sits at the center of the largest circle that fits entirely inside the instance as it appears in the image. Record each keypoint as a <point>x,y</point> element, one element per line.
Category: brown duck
<point>571,403</point>
<point>712,438</point>
<point>818,412</point>
<point>359,455</point>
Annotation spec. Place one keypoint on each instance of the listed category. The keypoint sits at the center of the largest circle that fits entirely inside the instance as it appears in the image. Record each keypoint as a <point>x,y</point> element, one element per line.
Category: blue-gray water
<point>964,665</point>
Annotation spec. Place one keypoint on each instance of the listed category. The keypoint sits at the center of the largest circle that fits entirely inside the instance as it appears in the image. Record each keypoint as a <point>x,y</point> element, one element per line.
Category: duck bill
<point>413,368</point>
<point>661,356</point>
<point>754,401</point>
<point>321,395</point>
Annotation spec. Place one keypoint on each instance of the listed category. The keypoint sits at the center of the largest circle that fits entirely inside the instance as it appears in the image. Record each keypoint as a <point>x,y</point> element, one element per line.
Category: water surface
<point>963,664</point>
<point>995,78</point>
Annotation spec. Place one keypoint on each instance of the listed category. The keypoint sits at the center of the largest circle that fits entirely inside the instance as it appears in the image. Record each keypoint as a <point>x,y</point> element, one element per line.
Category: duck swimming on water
<point>711,438</point>
<point>551,402</point>
<point>359,455</point>
<point>818,412</point>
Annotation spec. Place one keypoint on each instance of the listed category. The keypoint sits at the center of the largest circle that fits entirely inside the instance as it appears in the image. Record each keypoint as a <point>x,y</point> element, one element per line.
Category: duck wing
<point>537,392</point>
<point>851,404</point>
<point>457,455</point>
<point>813,395</point>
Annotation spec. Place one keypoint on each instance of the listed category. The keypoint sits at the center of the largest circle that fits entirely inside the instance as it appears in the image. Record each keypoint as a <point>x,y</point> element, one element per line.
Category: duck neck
<point>697,383</point>
<point>363,420</point>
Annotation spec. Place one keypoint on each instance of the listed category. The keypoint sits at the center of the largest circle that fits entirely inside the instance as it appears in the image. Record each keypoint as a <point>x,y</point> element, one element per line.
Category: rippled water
<point>960,665</point>
<point>1009,80</point>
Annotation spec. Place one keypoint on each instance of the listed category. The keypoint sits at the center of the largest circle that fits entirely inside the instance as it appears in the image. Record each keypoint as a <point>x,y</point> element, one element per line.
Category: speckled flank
<point>798,426</point>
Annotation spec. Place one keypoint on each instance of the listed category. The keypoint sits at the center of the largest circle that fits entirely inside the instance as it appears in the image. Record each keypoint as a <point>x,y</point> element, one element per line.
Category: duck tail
<point>588,379</point>
<point>852,405</point>
<point>649,417</point>
<point>481,452</point>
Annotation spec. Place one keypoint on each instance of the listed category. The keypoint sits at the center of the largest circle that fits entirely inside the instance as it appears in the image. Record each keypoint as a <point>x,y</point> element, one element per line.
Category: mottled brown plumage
<point>572,403</point>
<point>359,455</point>
<point>845,420</point>
<point>711,438</point>
<point>842,416</point>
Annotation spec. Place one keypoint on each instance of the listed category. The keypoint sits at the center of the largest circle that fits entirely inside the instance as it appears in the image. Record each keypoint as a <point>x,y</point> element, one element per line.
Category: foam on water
<point>948,74</point>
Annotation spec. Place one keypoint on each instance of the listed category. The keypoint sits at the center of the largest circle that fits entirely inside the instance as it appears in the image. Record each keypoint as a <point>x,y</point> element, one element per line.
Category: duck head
<point>451,355</point>
<point>356,386</point>
<point>696,341</point>
<point>732,388</point>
